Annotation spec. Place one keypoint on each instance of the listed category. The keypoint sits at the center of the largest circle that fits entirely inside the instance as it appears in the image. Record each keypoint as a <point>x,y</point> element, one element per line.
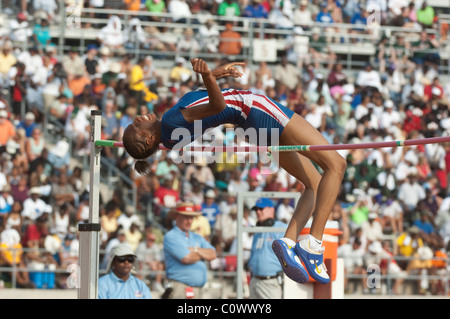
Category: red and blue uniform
<point>243,109</point>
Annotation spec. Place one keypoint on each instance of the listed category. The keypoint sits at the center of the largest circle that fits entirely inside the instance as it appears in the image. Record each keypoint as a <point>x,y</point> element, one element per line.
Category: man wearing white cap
<point>33,207</point>
<point>185,253</point>
<point>28,124</point>
<point>119,283</point>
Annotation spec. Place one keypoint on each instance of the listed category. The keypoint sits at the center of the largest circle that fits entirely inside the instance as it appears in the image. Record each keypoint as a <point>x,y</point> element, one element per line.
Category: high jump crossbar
<point>291,148</point>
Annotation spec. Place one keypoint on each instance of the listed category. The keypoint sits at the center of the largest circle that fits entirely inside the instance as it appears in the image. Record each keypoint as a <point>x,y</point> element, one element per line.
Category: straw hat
<point>187,209</point>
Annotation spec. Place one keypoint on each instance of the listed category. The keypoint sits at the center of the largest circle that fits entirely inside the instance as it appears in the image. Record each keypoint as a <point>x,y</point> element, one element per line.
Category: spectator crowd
<point>394,205</point>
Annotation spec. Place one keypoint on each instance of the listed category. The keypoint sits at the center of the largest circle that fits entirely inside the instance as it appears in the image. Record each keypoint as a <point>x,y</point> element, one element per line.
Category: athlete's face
<point>145,126</point>
<point>144,122</point>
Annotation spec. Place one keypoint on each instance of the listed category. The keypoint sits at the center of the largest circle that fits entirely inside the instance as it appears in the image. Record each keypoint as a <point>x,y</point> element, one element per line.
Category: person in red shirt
<point>433,90</point>
<point>166,197</point>
<point>35,231</point>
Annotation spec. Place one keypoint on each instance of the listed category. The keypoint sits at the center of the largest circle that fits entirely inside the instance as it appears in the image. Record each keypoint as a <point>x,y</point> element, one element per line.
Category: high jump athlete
<point>213,107</point>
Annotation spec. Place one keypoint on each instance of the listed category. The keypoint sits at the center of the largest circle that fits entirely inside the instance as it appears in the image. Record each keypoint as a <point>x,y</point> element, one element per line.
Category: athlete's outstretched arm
<point>216,100</point>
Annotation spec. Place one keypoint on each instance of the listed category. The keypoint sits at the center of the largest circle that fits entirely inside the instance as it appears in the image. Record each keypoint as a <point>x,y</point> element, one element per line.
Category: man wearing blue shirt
<point>210,209</point>
<point>267,274</point>
<point>119,283</point>
<point>185,253</point>
<point>324,15</point>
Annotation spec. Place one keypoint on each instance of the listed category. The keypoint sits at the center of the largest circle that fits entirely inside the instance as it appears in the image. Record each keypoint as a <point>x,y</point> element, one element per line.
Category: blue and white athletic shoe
<point>313,261</point>
<point>291,264</point>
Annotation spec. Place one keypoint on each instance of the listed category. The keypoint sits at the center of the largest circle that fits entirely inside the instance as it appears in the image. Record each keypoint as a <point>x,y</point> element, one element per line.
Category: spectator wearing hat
<point>372,228</point>
<point>20,28</point>
<point>28,124</point>
<point>119,282</point>
<point>91,59</point>
<point>7,59</point>
<point>390,116</point>
<point>34,206</point>
<point>209,207</point>
<point>185,253</point>
<point>69,250</point>
<point>266,282</point>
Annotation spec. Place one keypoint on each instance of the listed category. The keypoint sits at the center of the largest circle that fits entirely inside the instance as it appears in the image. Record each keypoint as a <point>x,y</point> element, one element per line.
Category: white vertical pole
<point>240,249</point>
<point>90,232</point>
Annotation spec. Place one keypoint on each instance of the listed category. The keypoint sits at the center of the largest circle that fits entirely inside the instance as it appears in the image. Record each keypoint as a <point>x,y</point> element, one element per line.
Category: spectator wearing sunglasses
<point>119,283</point>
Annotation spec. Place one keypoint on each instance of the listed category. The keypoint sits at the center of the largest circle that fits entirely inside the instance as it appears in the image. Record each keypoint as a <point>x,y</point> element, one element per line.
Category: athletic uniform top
<point>243,108</point>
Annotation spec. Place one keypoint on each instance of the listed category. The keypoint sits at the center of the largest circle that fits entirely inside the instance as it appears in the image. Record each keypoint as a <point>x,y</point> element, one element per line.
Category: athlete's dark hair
<point>135,145</point>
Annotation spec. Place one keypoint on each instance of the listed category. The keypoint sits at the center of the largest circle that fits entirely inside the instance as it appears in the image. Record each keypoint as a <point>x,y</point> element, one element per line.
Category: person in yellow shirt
<point>7,59</point>
<point>200,225</point>
<point>180,73</point>
<point>407,244</point>
<point>137,84</point>
<point>11,254</point>
<point>133,235</point>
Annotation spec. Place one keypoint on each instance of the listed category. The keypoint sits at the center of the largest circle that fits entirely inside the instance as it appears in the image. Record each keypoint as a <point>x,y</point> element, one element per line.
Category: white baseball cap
<point>119,250</point>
